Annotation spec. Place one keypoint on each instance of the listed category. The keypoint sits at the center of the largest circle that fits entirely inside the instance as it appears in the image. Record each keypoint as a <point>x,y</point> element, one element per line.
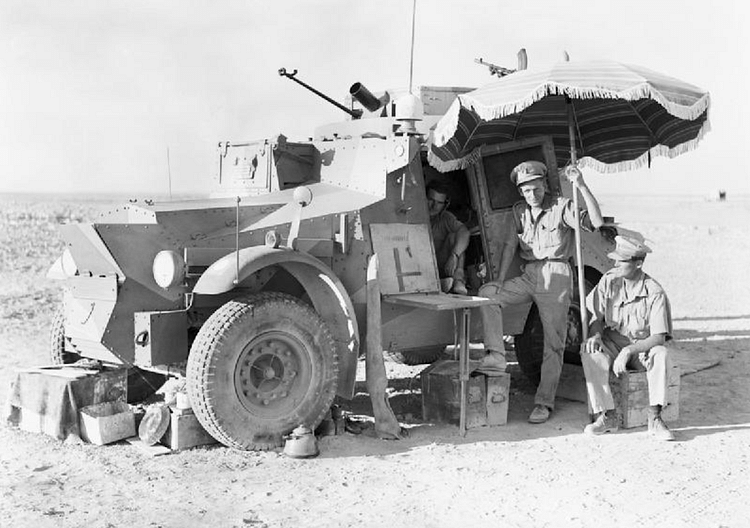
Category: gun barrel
<point>365,97</point>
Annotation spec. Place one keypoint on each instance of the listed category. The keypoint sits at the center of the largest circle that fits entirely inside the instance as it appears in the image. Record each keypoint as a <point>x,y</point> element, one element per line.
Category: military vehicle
<point>256,294</point>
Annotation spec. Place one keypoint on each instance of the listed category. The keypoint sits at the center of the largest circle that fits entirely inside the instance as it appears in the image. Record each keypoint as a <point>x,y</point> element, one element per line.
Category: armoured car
<point>256,294</point>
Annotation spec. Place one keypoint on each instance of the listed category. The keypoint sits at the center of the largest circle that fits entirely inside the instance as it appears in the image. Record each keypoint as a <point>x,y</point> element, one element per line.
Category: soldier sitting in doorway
<point>451,238</point>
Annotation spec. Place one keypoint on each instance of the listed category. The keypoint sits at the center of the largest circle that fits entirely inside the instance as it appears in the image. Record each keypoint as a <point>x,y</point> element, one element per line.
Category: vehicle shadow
<point>405,398</point>
<point>713,399</point>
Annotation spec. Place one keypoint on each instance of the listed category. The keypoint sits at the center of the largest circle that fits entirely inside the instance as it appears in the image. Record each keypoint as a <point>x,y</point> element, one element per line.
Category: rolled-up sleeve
<point>453,224</point>
<point>660,318</point>
<point>569,217</point>
<point>594,303</point>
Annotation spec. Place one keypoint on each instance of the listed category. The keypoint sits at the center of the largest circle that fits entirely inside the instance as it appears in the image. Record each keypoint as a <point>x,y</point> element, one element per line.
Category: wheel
<point>141,383</point>
<point>530,343</point>
<point>57,352</point>
<point>421,356</point>
<point>260,366</point>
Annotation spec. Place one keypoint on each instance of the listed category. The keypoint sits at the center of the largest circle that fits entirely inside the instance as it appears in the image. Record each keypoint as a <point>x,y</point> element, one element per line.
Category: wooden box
<point>107,422</point>
<point>498,392</point>
<point>486,402</point>
<point>48,399</point>
<point>185,431</point>
<point>630,392</point>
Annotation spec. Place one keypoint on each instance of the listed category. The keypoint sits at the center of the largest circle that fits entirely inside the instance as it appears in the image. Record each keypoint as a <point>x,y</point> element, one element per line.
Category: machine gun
<point>500,71</point>
<point>357,91</point>
<point>356,114</point>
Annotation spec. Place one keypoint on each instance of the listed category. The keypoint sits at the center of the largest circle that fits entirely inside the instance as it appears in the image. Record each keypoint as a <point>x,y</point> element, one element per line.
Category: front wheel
<point>57,352</point>
<point>260,366</point>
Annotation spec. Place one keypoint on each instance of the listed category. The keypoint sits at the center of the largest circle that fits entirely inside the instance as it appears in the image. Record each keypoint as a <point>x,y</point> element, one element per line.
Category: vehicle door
<point>493,196</point>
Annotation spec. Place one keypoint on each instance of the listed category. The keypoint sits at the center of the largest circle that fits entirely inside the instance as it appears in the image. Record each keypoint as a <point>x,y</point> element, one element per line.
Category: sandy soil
<point>513,475</point>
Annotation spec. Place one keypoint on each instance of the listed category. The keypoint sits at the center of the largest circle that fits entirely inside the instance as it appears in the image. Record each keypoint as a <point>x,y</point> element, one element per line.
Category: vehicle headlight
<point>168,268</point>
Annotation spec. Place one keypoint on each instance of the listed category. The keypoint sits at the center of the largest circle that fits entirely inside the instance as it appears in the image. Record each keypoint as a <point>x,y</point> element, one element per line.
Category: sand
<point>513,475</point>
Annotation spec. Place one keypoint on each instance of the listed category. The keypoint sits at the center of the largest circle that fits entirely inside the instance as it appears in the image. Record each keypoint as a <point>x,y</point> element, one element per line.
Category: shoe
<point>493,363</point>
<point>459,287</point>
<point>659,430</point>
<point>540,414</point>
<point>605,423</point>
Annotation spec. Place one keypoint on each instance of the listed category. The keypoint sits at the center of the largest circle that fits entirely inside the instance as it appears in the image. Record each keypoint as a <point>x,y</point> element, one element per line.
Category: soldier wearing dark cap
<point>630,326</point>
<point>546,241</point>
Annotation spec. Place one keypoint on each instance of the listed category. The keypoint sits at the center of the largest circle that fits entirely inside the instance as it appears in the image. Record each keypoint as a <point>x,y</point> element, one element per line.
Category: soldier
<point>630,325</point>
<point>545,239</point>
<point>450,236</point>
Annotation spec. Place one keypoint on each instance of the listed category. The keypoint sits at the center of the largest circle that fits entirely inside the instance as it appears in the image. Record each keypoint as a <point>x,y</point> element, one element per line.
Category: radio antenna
<point>411,59</point>
<point>169,175</point>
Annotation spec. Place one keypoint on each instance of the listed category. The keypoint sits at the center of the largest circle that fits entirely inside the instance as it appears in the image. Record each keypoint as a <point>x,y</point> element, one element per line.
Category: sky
<point>127,96</point>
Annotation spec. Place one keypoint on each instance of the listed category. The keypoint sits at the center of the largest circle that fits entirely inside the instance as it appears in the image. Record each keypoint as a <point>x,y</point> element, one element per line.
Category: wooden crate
<point>486,402</point>
<point>630,392</point>
<point>185,431</point>
<point>47,399</point>
<point>498,392</point>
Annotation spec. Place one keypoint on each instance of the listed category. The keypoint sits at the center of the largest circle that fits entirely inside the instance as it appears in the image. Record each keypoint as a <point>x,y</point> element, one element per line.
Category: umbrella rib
<point>518,125</point>
<point>654,141</point>
<point>578,129</point>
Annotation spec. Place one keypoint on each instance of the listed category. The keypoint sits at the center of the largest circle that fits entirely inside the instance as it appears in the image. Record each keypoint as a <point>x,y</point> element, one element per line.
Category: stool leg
<point>464,365</point>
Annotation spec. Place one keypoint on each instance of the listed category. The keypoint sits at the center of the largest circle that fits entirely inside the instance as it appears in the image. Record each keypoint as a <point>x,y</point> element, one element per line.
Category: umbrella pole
<point>579,246</point>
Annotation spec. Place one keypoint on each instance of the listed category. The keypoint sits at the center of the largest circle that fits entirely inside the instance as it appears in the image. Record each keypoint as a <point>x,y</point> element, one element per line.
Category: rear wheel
<point>260,366</point>
<point>421,356</point>
<point>530,344</point>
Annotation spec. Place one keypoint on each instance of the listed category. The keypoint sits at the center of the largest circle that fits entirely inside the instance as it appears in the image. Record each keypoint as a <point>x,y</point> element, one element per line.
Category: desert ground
<point>513,475</point>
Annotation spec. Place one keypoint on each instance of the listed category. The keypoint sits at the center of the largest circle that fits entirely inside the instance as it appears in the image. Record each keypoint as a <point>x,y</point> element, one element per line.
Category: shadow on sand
<point>713,398</point>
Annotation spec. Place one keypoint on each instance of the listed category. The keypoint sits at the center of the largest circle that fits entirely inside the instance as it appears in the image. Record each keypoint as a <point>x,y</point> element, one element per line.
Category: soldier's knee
<point>489,289</point>
<point>595,360</point>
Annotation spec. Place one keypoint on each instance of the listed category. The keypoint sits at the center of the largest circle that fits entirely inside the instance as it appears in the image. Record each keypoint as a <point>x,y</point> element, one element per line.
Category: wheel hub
<point>266,376</point>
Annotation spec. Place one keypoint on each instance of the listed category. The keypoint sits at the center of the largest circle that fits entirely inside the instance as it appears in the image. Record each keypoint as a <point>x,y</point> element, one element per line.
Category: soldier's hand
<point>593,344</point>
<point>645,359</point>
<point>450,265</point>
<point>574,174</point>
<point>620,365</point>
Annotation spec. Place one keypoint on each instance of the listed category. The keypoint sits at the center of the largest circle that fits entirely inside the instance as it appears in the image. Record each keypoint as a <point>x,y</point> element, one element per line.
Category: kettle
<point>301,443</point>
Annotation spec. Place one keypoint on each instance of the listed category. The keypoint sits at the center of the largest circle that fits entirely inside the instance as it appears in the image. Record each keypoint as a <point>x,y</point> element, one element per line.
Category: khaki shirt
<point>637,314</point>
<point>552,235</point>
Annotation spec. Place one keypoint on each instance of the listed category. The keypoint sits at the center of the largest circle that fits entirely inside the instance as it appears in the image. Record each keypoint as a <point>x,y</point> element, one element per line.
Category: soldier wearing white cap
<point>545,241</point>
<point>631,323</point>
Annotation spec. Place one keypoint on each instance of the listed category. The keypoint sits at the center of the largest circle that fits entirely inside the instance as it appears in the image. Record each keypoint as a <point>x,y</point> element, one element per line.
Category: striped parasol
<point>622,116</point>
<point>601,114</point>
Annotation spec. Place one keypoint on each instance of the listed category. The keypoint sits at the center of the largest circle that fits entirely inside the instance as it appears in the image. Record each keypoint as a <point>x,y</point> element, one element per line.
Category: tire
<point>530,344</point>
<point>260,366</point>
<point>422,356</point>
<point>141,383</point>
<point>57,352</point>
